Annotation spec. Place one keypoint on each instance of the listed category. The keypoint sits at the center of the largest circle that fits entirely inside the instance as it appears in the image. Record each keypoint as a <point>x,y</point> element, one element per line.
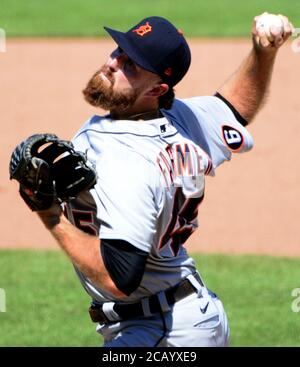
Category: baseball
<point>267,21</point>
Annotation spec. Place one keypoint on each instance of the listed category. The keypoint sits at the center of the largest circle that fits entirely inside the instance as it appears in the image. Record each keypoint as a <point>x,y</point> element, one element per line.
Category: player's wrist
<point>52,216</point>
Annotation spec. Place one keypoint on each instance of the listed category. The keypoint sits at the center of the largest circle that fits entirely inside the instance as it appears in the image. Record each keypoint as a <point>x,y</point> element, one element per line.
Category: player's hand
<point>50,169</point>
<point>270,31</point>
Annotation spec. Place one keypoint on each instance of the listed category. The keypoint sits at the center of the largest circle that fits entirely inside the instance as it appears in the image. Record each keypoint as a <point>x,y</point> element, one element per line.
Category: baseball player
<point>126,236</point>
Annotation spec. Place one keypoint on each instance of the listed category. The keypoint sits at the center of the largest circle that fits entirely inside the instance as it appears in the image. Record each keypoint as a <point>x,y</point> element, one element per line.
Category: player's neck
<point>149,115</point>
<point>143,109</point>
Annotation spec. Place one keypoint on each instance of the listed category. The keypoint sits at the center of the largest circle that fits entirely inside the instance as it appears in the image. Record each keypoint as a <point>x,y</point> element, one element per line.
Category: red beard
<point>98,94</point>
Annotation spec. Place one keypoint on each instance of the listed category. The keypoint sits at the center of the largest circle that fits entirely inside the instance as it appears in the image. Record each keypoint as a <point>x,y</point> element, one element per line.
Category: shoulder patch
<point>232,137</point>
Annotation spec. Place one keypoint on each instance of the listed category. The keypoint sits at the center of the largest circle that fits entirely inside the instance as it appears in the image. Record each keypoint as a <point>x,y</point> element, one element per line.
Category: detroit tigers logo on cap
<point>143,29</point>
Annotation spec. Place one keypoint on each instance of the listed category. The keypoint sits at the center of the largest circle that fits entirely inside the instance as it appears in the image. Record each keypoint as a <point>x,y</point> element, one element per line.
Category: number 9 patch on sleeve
<point>232,137</point>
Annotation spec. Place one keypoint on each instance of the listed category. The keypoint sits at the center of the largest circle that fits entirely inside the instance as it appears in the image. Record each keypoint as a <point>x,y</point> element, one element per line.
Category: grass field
<point>86,18</point>
<point>46,305</point>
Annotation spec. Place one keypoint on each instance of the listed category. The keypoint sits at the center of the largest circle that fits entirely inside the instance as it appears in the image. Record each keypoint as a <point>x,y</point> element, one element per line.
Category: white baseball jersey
<point>211,124</point>
<point>151,182</point>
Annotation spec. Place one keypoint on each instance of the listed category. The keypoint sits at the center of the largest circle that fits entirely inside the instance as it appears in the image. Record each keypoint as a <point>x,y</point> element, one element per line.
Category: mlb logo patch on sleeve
<point>232,137</point>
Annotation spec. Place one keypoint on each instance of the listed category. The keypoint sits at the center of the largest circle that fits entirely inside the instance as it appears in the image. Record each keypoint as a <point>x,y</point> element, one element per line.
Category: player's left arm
<point>247,88</point>
<point>82,248</point>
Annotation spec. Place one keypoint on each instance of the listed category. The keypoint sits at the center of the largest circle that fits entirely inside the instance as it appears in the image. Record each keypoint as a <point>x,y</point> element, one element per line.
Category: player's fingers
<point>264,42</point>
<point>278,41</point>
<point>288,27</point>
<point>262,38</point>
<point>277,35</point>
<point>253,29</point>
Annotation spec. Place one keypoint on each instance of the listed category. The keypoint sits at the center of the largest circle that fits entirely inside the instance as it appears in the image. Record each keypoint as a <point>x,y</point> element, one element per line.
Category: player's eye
<point>116,53</point>
<point>120,50</point>
<point>129,65</point>
<point>129,62</point>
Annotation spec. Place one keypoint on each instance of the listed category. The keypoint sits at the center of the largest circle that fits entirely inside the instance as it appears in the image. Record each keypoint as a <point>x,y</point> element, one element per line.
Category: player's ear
<point>158,90</point>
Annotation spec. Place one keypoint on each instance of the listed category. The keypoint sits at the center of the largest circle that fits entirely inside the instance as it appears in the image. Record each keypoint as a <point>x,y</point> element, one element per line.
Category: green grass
<point>86,18</point>
<point>256,293</point>
<point>46,305</point>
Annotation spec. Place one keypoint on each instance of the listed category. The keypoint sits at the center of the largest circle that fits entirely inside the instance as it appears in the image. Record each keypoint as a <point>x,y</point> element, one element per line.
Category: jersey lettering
<point>183,160</point>
<point>181,224</point>
<point>165,162</point>
<point>180,160</point>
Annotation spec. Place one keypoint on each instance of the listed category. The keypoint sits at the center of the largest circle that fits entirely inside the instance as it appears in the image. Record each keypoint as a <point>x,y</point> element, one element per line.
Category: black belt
<point>133,310</point>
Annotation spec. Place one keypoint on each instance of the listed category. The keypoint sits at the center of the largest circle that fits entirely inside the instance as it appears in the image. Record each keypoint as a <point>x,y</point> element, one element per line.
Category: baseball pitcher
<point>122,198</point>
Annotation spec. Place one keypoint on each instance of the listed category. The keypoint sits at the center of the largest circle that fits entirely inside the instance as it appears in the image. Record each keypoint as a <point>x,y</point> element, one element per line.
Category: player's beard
<point>99,94</point>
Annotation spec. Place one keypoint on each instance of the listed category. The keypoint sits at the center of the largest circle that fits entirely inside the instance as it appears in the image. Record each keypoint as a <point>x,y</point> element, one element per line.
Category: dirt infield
<point>251,206</point>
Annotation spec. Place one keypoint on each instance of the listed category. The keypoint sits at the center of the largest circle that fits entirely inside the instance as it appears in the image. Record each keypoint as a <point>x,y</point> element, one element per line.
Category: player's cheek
<point>121,81</point>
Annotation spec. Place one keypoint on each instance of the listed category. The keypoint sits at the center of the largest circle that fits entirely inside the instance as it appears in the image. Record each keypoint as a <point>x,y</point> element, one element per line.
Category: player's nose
<point>113,64</point>
<point>115,60</point>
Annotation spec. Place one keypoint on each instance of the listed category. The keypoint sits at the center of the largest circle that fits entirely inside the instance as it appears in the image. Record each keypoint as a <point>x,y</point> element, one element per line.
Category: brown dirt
<point>251,206</point>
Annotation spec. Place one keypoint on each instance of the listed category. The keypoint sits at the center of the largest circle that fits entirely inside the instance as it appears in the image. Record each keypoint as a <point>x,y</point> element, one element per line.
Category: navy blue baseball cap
<point>158,46</point>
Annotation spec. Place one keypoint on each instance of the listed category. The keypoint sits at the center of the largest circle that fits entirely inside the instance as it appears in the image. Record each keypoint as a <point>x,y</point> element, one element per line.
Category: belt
<point>133,310</point>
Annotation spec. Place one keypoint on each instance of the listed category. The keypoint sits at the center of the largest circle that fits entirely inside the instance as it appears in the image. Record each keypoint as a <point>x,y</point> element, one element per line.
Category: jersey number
<point>83,220</point>
<point>180,226</point>
<point>232,137</point>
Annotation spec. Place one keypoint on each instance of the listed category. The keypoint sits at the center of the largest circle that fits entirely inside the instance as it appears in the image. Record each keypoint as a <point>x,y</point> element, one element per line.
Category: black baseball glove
<point>49,169</point>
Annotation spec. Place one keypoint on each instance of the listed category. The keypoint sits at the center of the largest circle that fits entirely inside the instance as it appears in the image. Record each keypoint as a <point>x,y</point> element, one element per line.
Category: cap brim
<point>128,46</point>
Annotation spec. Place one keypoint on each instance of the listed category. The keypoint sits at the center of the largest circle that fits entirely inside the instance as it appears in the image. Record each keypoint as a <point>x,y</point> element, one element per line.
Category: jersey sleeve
<point>126,199</point>
<point>211,124</point>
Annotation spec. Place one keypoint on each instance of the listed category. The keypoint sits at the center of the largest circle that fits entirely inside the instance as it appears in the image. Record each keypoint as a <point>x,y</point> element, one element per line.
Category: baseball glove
<point>49,169</point>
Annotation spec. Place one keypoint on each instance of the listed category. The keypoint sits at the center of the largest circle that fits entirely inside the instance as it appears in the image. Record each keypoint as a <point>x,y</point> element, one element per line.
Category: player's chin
<point>105,98</point>
<point>96,95</point>
<point>92,97</point>
<point>108,101</point>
